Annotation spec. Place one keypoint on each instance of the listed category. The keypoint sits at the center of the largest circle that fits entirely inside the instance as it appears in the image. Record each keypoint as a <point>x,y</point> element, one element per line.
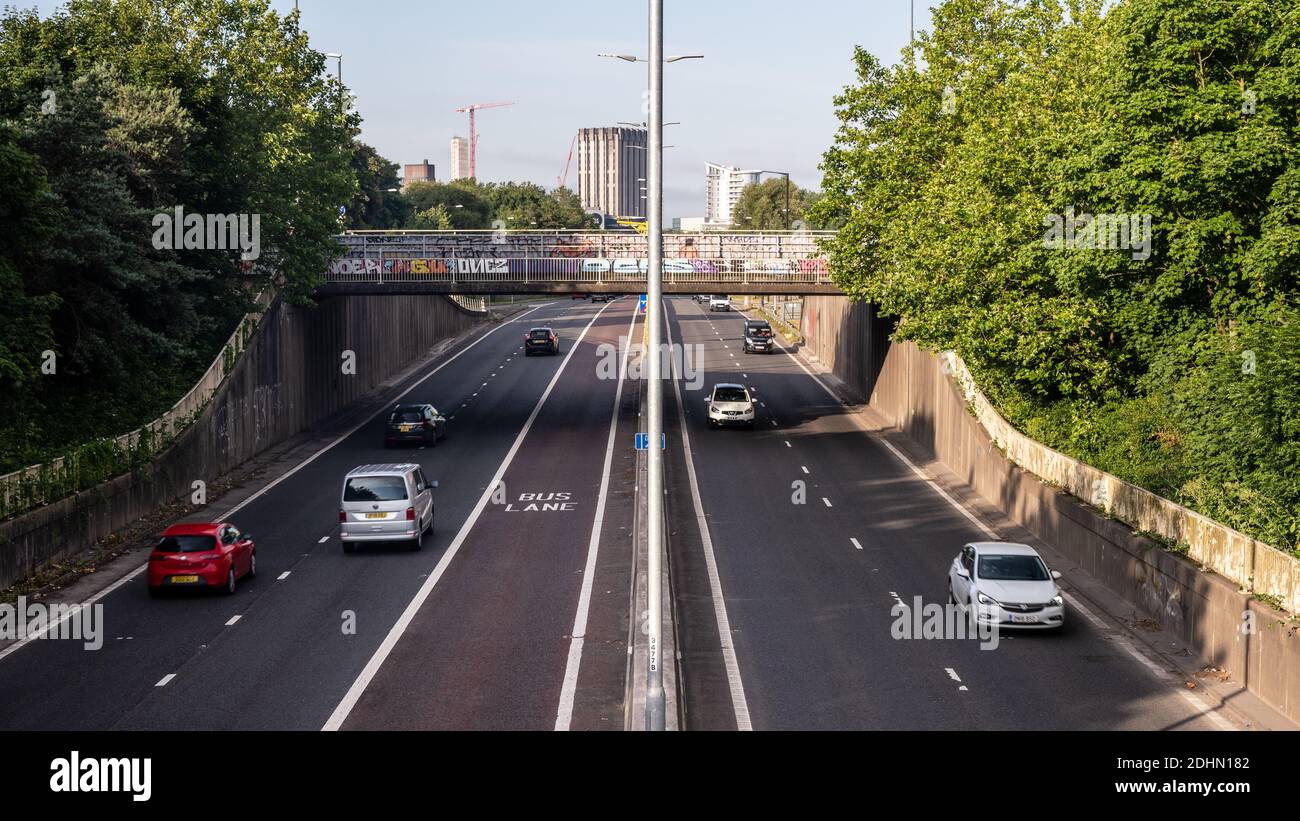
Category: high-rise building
<point>459,158</point>
<point>612,170</point>
<point>418,172</point>
<point>723,184</point>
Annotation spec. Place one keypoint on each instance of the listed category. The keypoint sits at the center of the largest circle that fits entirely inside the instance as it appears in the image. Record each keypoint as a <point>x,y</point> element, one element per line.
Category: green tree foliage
<point>115,111</point>
<point>471,205</point>
<point>467,203</point>
<point>947,171</point>
<point>377,205</point>
<point>762,207</point>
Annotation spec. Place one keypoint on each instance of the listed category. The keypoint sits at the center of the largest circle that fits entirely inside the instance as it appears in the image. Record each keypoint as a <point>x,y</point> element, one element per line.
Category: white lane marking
<point>738,703</point>
<point>898,599</point>
<point>564,714</point>
<point>804,468</point>
<point>1201,707</point>
<point>744,376</point>
<point>788,445</point>
<point>856,543</point>
<point>265,489</point>
<point>952,674</point>
<point>381,653</point>
<point>827,501</point>
<point>773,421</point>
<point>283,576</point>
<point>165,680</point>
<point>232,621</point>
<point>323,539</point>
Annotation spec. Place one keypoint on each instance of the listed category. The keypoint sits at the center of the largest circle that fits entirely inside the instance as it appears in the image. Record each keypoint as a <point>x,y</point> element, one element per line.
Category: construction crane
<point>563,179</point>
<point>473,134</point>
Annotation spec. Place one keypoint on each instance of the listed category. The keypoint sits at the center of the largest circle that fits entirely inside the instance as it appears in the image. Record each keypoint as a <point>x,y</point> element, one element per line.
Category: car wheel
<point>418,542</point>
<point>432,441</point>
<point>252,565</point>
<point>229,589</point>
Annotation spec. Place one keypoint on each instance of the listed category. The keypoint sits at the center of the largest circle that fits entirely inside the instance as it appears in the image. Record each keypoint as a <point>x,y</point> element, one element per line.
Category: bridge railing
<point>586,271</point>
<point>581,244</point>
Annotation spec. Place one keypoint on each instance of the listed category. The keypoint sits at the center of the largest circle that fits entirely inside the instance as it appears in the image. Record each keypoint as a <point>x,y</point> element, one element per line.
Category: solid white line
<point>738,703</point>
<point>166,680</point>
<point>283,576</point>
<point>856,543</point>
<point>564,714</point>
<point>368,673</point>
<point>232,621</point>
<point>265,489</point>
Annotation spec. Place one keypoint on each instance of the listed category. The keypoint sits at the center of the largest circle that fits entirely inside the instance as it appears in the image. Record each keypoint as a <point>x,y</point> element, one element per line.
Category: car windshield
<point>1013,568</point>
<point>730,395</point>
<point>541,334</point>
<point>186,544</point>
<point>760,330</point>
<point>374,489</point>
<point>413,415</point>
<point>720,297</point>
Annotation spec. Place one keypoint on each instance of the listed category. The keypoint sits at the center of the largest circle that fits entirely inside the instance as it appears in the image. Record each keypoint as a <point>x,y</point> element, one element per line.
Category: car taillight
<point>410,514</point>
<point>343,515</point>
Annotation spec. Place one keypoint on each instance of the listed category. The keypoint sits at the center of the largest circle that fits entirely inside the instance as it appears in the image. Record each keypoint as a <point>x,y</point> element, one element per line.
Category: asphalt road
<point>810,611</point>
<point>488,647</point>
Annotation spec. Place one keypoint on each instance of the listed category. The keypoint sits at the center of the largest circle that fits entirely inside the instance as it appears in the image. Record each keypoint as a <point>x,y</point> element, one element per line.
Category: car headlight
<point>983,599</point>
<point>1057,601</point>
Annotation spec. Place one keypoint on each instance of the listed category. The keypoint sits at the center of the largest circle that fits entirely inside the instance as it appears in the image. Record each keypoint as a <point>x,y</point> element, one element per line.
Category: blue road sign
<point>643,441</point>
<point>640,308</point>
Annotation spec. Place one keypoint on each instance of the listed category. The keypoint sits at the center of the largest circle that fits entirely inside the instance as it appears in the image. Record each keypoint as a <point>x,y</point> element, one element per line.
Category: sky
<point>761,97</point>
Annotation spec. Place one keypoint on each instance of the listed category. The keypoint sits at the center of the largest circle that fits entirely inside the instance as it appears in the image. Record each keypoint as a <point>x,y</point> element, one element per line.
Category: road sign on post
<point>643,441</point>
<point>640,308</point>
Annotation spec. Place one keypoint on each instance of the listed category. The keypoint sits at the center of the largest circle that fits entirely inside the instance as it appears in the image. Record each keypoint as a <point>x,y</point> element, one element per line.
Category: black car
<point>758,337</point>
<point>600,297</point>
<point>415,423</point>
<point>541,340</point>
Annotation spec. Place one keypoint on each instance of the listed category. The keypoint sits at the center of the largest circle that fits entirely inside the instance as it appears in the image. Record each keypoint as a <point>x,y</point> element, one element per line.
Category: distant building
<point>723,184</point>
<point>459,158</point>
<point>612,170</point>
<point>690,223</point>
<point>419,172</point>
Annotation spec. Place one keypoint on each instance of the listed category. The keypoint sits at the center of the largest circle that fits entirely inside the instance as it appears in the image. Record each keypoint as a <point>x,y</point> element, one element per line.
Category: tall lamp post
<point>336,56</point>
<point>655,701</point>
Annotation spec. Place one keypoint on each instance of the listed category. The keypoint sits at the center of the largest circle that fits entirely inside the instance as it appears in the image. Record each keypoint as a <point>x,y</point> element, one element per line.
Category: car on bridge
<point>211,556</point>
<point>421,424</point>
<point>730,404</point>
<point>385,503</point>
<point>758,336</point>
<point>719,302</point>
<point>1008,584</point>
<point>541,340</point>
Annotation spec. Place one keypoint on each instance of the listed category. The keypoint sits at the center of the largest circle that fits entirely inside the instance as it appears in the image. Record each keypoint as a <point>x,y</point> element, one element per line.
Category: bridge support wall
<point>909,389</point>
<point>289,378</point>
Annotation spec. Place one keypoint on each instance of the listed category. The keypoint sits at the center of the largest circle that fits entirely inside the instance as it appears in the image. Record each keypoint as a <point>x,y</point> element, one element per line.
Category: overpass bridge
<point>569,262</point>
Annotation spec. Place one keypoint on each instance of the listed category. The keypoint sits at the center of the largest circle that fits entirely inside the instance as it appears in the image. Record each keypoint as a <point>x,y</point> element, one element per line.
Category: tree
<point>377,204</point>
<point>467,202</point>
<point>762,206</point>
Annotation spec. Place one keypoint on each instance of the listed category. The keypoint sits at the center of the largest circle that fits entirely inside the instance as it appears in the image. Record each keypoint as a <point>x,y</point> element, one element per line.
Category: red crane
<point>473,134</point>
<point>563,179</point>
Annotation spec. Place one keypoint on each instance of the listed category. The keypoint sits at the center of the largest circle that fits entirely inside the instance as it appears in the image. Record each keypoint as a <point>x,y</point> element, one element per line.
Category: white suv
<point>719,302</point>
<point>730,404</point>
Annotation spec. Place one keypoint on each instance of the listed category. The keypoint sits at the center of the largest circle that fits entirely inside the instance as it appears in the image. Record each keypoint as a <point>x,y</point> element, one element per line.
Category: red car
<point>213,556</point>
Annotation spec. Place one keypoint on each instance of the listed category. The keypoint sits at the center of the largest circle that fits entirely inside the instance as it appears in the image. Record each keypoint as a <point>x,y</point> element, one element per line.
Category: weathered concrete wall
<point>914,393</point>
<point>289,378</point>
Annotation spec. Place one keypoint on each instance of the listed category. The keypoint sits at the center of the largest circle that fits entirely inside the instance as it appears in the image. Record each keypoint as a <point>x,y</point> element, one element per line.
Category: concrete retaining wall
<point>289,378</point>
<point>915,392</point>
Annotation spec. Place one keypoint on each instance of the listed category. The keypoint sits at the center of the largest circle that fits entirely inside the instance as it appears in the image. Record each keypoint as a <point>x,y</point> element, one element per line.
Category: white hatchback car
<point>1008,585</point>
<point>719,302</point>
<point>730,404</point>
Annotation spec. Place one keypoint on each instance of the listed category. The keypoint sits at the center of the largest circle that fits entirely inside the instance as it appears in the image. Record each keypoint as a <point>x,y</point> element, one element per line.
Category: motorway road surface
<point>477,631</point>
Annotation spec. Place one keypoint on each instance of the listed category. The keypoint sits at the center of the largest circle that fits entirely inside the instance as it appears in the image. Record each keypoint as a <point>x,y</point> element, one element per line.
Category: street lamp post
<point>336,56</point>
<point>655,700</point>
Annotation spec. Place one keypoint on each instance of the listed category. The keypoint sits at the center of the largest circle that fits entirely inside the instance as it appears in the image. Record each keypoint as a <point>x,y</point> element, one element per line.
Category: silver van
<point>385,503</point>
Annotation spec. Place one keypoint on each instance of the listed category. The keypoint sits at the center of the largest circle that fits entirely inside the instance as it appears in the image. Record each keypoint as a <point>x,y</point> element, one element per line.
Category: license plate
<point>376,515</point>
<point>1019,619</point>
<point>405,428</point>
<point>185,579</point>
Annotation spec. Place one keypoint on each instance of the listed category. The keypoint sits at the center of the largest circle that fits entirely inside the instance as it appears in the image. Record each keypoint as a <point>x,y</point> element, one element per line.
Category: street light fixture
<point>655,702</point>
<point>333,55</point>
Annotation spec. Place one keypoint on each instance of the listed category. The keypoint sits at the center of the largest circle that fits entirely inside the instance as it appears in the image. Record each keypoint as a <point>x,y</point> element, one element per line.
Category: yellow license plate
<point>405,428</point>
<point>376,515</point>
<point>185,579</point>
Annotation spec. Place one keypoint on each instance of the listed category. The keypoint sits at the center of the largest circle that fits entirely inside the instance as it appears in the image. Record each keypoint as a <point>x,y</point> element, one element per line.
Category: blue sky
<point>761,97</point>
